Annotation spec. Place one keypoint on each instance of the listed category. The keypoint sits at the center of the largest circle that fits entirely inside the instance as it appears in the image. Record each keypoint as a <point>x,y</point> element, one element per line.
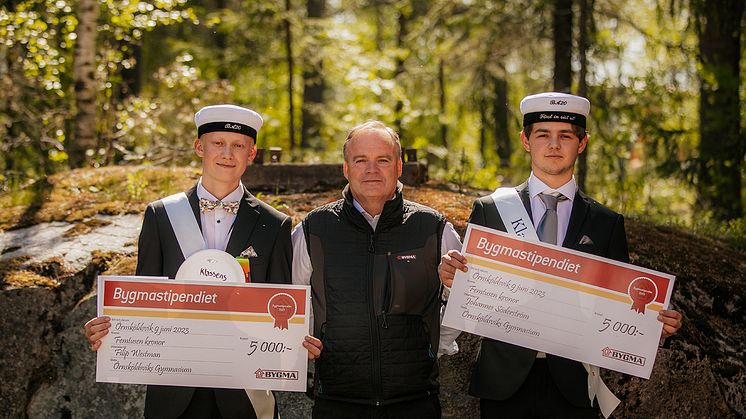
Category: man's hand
<point>671,320</point>
<point>313,346</point>
<point>449,264</point>
<point>96,329</point>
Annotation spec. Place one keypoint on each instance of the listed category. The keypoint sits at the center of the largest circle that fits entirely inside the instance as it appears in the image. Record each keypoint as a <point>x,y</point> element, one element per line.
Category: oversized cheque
<point>559,301</point>
<point>227,335</point>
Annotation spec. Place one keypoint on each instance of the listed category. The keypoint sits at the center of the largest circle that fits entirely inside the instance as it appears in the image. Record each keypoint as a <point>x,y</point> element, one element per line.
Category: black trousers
<point>425,408</point>
<point>202,406</point>
<point>538,397</point>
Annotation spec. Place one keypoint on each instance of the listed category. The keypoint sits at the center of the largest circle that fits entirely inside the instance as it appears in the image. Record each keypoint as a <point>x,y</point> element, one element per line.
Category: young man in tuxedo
<point>231,219</point>
<point>512,381</point>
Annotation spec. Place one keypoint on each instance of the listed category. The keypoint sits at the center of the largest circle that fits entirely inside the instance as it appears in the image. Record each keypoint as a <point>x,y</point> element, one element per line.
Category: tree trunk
<point>221,43</point>
<point>291,74</point>
<point>500,116</point>
<point>721,145</point>
<point>131,79</point>
<point>442,101</point>
<point>313,81</point>
<point>562,32</point>
<point>484,125</point>
<point>379,24</point>
<point>399,69</point>
<point>408,12</point>
<point>586,8</point>
<point>84,72</point>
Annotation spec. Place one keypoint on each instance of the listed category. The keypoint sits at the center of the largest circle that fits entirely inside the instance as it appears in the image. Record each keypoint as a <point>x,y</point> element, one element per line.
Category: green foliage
<point>136,184</point>
<point>159,61</point>
<point>37,38</point>
<point>276,202</point>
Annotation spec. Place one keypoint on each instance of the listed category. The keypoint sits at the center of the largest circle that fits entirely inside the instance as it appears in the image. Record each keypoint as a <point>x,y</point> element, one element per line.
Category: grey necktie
<point>547,229</point>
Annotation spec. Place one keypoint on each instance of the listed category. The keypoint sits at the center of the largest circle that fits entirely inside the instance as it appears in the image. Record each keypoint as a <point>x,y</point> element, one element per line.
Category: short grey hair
<point>373,125</point>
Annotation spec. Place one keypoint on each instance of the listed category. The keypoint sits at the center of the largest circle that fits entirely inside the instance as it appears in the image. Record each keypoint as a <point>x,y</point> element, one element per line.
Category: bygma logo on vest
<point>276,374</point>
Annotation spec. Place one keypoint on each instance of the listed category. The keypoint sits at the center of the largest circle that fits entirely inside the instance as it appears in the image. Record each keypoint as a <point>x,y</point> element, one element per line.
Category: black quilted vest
<point>375,300</point>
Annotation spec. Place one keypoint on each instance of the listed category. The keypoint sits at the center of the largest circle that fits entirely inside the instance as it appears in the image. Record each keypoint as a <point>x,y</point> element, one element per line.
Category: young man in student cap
<point>231,219</point>
<point>513,381</point>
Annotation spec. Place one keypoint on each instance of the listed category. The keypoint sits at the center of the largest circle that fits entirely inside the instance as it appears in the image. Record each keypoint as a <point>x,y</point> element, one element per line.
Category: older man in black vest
<point>371,259</point>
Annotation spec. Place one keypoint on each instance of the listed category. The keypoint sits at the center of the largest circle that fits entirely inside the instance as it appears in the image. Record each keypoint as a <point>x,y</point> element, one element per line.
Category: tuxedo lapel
<point>577,218</point>
<point>243,227</point>
<point>194,203</point>
<point>525,198</point>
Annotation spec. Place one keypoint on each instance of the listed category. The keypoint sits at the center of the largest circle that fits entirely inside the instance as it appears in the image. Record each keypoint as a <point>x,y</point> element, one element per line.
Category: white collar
<point>536,186</point>
<point>362,210</point>
<point>236,195</point>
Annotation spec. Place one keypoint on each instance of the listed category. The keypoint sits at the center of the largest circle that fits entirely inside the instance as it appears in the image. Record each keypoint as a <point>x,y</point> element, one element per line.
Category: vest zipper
<point>376,344</point>
<point>386,301</point>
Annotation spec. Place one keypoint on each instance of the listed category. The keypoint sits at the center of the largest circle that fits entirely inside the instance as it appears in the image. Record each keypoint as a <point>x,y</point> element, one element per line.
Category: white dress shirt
<point>302,268</point>
<point>564,208</point>
<point>218,223</point>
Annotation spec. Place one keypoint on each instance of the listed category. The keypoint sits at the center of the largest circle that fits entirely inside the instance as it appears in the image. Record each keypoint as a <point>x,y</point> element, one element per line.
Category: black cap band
<point>226,127</point>
<point>554,116</point>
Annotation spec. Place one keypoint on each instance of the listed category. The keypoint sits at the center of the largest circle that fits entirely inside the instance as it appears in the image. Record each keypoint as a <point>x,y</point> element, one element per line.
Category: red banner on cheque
<point>186,296</point>
<point>642,286</point>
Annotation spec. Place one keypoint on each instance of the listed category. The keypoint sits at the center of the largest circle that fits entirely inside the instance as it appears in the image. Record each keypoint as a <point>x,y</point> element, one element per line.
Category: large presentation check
<point>559,301</point>
<point>198,334</point>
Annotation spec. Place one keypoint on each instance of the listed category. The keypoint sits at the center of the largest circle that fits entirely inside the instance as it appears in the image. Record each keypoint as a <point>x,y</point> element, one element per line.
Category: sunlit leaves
<point>38,37</point>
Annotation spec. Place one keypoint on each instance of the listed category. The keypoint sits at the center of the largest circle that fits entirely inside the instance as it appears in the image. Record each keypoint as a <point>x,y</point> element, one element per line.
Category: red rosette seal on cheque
<point>281,307</point>
<point>643,291</point>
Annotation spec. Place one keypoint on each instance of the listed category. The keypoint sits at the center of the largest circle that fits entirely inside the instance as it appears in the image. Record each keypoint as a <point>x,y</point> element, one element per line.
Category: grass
<point>80,194</point>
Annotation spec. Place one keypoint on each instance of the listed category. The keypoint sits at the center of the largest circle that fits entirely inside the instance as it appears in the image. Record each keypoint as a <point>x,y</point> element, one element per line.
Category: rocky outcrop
<point>47,368</point>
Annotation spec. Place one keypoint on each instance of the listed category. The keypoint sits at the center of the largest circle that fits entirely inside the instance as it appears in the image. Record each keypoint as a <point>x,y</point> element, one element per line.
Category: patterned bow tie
<point>206,205</point>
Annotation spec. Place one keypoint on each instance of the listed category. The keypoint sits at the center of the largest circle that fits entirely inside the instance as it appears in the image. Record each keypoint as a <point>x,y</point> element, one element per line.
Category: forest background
<point>116,82</point>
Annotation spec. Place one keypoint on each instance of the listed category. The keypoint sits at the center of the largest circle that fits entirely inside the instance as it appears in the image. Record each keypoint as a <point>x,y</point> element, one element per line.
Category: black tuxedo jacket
<point>159,254</point>
<point>501,368</point>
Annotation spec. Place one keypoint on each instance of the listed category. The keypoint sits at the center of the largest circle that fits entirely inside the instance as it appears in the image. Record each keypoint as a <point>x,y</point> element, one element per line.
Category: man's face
<point>554,148</point>
<point>225,155</point>
<point>372,166</point>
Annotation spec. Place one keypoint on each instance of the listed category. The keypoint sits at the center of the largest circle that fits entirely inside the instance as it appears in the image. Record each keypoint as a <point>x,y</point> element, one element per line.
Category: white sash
<point>190,239</point>
<point>185,226</point>
<point>263,402</point>
<point>517,221</point>
<point>514,214</point>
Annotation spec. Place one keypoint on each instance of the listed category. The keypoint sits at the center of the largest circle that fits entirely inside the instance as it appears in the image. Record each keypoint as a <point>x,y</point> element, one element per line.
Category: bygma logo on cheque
<point>276,374</point>
<point>623,356</point>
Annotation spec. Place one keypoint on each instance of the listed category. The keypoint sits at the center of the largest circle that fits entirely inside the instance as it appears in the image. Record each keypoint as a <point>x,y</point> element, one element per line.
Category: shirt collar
<point>536,186</point>
<point>236,195</point>
<point>364,212</point>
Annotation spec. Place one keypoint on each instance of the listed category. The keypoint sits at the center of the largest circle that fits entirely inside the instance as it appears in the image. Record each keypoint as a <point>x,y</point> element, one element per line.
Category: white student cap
<point>228,118</point>
<point>555,107</point>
